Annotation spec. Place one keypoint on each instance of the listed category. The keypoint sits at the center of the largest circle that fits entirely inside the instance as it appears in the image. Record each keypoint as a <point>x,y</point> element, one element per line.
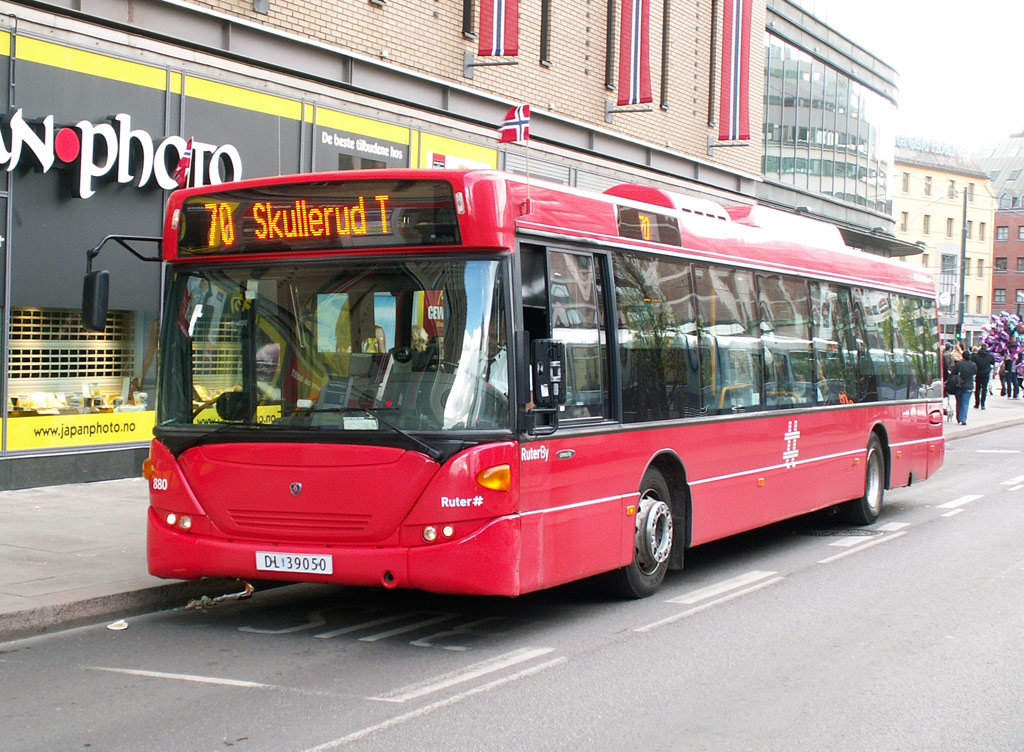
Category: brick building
<point>1008,262</point>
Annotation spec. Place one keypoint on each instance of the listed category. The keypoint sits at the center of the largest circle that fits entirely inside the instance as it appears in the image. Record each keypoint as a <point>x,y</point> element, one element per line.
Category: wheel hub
<point>653,532</point>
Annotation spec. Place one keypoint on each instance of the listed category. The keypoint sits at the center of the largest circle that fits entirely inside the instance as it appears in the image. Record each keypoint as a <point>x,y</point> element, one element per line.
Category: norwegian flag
<point>499,28</point>
<point>184,168</point>
<point>635,52</point>
<point>516,125</point>
<point>734,102</point>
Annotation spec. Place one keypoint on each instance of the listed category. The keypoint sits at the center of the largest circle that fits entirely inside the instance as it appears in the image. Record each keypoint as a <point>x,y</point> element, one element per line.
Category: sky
<point>960,64</point>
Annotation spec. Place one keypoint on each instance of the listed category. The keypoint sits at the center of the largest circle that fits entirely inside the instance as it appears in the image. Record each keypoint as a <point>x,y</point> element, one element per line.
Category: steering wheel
<point>208,403</point>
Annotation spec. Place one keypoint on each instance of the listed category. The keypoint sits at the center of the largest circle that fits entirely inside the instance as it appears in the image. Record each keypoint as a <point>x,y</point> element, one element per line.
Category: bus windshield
<point>407,344</point>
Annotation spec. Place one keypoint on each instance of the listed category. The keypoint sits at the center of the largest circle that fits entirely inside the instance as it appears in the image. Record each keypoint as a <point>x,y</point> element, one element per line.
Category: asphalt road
<point>802,636</point>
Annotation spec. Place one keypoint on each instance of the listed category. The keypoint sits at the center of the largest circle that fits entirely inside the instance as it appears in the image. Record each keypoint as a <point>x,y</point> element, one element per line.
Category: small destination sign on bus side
<point>638,224</point>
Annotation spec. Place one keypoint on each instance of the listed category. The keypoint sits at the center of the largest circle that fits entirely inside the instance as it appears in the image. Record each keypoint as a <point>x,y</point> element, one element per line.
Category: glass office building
<point>825,133</point>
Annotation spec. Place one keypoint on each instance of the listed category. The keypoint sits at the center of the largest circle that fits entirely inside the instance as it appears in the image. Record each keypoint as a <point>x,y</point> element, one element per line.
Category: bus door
<point>571,481</point>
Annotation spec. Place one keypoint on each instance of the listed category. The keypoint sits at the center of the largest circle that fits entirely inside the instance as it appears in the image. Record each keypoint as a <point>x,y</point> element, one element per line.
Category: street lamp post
<point>963,273</point>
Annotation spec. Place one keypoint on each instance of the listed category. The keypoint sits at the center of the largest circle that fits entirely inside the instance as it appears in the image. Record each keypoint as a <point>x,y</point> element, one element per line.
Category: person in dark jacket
<point>984,360</point>
<point>947,361</point>
<point>966,371</point>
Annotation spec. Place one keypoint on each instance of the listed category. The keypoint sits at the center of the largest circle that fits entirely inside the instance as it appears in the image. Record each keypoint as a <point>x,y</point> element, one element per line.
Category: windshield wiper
<point>433,452</point>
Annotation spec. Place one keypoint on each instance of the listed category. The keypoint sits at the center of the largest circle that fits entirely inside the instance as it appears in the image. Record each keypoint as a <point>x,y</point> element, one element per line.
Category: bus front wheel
<point>865,510</point>
<point>652,543</point>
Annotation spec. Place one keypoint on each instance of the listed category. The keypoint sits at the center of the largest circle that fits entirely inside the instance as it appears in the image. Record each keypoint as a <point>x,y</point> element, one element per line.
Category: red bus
<point>462,382</point>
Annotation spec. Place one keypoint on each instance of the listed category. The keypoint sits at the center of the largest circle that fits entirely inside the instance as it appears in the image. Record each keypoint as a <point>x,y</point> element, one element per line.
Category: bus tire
<point>865,510</point>
<point>652,549</point>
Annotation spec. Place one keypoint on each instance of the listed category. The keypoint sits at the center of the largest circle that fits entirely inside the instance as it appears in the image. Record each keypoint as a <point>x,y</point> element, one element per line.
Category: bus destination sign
<point>644,225</point>
<point>319,216</point>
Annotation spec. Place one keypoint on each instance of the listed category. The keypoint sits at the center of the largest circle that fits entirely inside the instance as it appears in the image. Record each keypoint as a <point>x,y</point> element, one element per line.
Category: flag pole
<point>528,206</point>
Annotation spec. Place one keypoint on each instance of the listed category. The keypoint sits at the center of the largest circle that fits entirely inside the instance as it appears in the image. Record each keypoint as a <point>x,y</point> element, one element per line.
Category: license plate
<point>267,561</point>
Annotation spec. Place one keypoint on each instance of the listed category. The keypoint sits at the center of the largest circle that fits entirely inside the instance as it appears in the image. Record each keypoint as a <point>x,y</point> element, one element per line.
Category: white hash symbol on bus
<point>792,434</point>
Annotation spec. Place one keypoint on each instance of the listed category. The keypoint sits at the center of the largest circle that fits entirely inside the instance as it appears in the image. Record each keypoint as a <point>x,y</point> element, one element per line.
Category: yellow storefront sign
<point>264,414</point>
<point>59,431</point>
<point>440,152</point>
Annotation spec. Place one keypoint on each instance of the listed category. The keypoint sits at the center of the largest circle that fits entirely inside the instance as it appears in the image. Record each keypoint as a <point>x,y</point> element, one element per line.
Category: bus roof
<point>499,204</point>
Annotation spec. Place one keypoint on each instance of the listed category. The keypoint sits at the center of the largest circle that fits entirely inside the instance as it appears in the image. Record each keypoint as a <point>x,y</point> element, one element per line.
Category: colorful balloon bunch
<point>1004,337</point>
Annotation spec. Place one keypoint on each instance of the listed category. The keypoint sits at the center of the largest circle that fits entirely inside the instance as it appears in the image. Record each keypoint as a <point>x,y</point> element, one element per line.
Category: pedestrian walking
<point>984,361</point>
<point>961,384</point>
<point>1006,378</point>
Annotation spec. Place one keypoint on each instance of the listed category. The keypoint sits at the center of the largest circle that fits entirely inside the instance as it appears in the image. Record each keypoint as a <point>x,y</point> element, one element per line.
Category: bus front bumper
<point>483,563</point>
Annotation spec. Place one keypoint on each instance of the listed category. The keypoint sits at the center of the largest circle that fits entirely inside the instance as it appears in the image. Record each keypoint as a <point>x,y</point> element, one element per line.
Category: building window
<point>949,227</point>
<point>545,32</point>
<point>1020,233</point>
<point>468,19</point>
<point>999,296</point>
<point>1014,174</point>
<point>981,231</point>
<point>970,229</point>
<point>949,264</point>
<point>926,224</point>
<point>1020,264</point>
<point>970,192</point>
<point>951,190</point>
<point>924,260</point>
<point>903,221</point>
<point>999,265</point>
<point>977,304</point>
<point>609,44</point>
<point>666,41</point>
<point>1002,232</point>
<point>981,267</point>
<point>1020,296</point>
<point>906,182</point>
<point>927,185</point>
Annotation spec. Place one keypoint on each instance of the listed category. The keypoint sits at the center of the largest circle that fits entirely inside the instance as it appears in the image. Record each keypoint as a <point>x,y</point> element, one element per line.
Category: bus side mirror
<point>95,294</point>
<point>548,370</point>
<point>234,406</point>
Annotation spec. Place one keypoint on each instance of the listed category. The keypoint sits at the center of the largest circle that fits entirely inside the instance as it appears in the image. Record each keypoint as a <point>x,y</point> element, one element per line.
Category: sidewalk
<point>76,554</point>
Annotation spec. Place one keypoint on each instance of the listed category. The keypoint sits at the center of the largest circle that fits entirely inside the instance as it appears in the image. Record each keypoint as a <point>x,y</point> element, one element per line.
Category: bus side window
<point>656,337</point>
<point>578,319</point>
<point>727,313</point>
<point>785,333</point>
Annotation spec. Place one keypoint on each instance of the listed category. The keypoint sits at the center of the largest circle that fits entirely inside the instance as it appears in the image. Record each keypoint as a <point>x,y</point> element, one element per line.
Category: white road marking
<point>709,604</point>
<point>711,591</point>
<point>954,512</point>
<point>413,714</point>
<point>188,677</point>
<point>848,541</point>
<point>476,670</point>
<point>1013,481</point>
<point>1015,488</point>
<point>407,628</point>
<point>362,626</point>
<point>998,451</point>
<point>858,549</point>
<point>961,501</point>
<point>892,527</point>
<point>216,681</point>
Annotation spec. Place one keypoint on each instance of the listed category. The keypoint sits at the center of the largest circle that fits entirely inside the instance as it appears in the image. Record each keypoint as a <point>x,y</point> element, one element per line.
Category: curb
<point>16,625</point>
<point>976,430</point>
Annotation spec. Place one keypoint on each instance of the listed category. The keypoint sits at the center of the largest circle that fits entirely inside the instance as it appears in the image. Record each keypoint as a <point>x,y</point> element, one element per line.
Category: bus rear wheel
<point>865,510</point>
<point>652,543</point>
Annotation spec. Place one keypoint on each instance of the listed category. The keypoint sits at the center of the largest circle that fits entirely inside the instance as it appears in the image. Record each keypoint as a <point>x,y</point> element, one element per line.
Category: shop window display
<point>67,385</point>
